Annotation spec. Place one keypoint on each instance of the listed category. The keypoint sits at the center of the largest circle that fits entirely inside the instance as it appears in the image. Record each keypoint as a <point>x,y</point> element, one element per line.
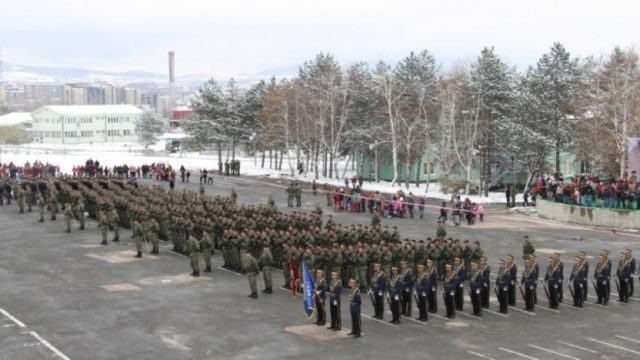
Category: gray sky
<point>247,36</point>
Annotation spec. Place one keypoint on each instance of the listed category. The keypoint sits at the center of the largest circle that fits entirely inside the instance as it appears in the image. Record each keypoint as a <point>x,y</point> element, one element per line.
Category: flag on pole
<point>294,276</point>
<point>309,288</point>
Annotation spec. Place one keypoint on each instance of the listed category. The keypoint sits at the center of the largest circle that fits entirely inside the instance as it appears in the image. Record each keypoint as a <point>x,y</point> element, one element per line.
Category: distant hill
<point>28,73</point>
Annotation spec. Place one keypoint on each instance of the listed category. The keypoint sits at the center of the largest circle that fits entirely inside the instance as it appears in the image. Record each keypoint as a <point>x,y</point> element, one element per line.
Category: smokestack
<point>172,82</point>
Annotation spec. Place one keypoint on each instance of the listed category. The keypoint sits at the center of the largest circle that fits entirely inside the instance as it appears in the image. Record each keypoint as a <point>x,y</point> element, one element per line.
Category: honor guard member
<point>79,210</point>
<point>68,216</point>
<point>206,246</point>
<point>53,201</point>
<point>528,281</point>
<point>632,264</point>
<point>624,275</point>
<point>103,223</point>
<point>266,261</point>
<point>432,290</point>
<point>422,290</point>
<point>460,276</point>
<point>601,276</point>
<point>486,282</point>
<point>251,266</point>
<point>560,277</point>
<point>449,291</point>
<point>41,204</point>
<point>406,277</point>
<point>512,268</point>
<point>585,282</point>
<point>28,196</point>
<point>320,294</point>
<point>535,269</point>
<point>553,281</point>
<point>576,281</point>
<point>503,281</point>
<point>395,294</point>
<point>114,224</point>
<point>335,290</point>
<point>378,287</point>
<point>138,236</point>
<point>476,283</point>
<point>355,302</point>
<point>605,253</point>
<point>193,248</point>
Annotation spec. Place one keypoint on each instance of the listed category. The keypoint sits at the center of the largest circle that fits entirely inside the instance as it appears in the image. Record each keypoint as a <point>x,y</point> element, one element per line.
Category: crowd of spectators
<point>590,191</point>
<point>37,169</point>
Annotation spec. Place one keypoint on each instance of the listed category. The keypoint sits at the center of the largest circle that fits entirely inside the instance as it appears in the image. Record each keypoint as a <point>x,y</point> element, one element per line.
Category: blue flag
<point>309,288</point>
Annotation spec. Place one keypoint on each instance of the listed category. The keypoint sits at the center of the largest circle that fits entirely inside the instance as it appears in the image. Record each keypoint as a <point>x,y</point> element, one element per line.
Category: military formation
<point>372,260</point>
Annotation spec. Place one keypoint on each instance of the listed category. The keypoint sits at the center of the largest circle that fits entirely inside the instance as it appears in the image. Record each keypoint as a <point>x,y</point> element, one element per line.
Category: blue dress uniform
<point>378,287</point>
<point>632,264</point>
<point>553,279</point>
<point>513,275</point>
<point>624,275</point>
<point>432,289</point>
<point>422,290</point>
<point>406,278</point>
<point>395,293</point>
<point>602,275</point>
<point>449,293</point>
<point>536,274</point>
<point>503,282</point>
<point>561,281</point>
<point>476,284</point>
<point>460,276</point>
<point>577,282</point>
<point>486,284</point>
<point>355,303</point>
<point>585,283</point>
<point>319,298</point>
<point>335,290</point>
<point>529,280</point>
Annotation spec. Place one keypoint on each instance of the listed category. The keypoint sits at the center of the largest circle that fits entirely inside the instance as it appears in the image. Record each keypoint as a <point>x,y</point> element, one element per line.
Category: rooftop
<point>15,118</point>
<point>92,109</point>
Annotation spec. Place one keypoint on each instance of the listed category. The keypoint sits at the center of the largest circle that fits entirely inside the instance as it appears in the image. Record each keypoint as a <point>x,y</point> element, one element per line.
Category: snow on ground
<point>113,154</point>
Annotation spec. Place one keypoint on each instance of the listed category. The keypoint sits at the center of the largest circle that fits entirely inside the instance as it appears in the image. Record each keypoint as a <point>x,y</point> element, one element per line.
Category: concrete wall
<point>619,219</point>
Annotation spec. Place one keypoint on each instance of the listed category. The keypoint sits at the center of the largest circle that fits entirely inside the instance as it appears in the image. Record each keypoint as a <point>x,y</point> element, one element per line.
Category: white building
<point>20,120</point>
<point>86,124</point>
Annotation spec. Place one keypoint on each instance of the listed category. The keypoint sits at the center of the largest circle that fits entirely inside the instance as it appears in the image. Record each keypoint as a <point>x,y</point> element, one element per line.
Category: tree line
<point>473,115</point>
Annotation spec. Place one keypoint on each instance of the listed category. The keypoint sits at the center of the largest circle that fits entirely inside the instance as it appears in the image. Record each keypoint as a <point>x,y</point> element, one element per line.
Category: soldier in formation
<point>252,273</point>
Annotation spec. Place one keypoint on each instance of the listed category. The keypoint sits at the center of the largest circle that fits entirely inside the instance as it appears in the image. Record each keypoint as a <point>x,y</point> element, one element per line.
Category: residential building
<point>86,124</point>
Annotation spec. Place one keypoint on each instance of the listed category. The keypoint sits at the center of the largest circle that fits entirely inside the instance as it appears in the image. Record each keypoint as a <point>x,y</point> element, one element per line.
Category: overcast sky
<point>227,37</point>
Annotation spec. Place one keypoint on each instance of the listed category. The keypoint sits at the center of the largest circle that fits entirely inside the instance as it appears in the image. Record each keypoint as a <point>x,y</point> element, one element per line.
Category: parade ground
<point>63,296</point>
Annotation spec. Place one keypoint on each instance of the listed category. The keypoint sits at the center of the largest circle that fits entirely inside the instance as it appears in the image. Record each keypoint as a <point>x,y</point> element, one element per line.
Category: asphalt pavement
<point>63,296</point>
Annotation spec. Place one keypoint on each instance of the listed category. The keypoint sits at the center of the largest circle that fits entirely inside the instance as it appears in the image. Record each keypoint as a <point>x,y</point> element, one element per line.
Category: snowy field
<point>113,154</point>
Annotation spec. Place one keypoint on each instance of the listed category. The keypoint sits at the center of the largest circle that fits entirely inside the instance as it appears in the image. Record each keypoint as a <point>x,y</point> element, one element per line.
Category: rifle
<point>415,297</point>
<point>546,290</point>
<point>618,285</point>
<point>495,289</point>
<point>373,299</point>
<point>522,291</point>
<point>570,288</point>
<point>388,300</point>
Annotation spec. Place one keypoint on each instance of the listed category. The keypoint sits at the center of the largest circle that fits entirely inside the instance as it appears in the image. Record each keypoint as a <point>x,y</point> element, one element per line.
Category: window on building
<point>428,168</point>
<point>126,132</point>
<point>70,134</point>
<point>86,134</point>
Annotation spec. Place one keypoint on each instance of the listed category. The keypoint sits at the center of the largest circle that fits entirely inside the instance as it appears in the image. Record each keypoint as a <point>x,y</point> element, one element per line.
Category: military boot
<point>139,254</point>
<point>254,295</point>
<point>104,242</point>
<point>197,273</point>
<point>208,268</point>
<point>116,239</point>
<point>82,227</point>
